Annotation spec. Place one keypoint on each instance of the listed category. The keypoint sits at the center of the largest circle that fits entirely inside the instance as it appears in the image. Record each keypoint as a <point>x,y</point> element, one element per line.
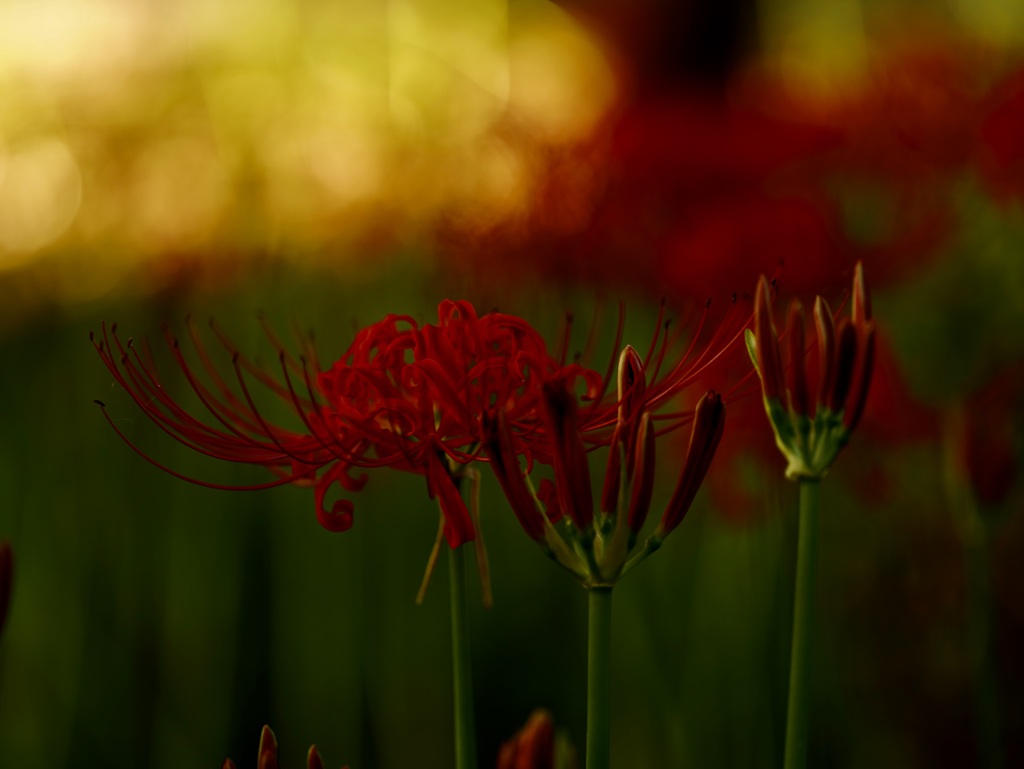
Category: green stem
<point>803,604</point>
<point>986,704</point>
<point>599,673</point>
<point>462,676</point>
<point>976,534</point>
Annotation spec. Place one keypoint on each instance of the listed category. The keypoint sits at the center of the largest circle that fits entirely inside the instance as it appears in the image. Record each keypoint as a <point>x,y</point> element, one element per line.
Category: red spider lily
<point>6,580</point>
<point>267,757</point>
<point>402,396</point>
<point>811,438</point>
<point>598,539</point>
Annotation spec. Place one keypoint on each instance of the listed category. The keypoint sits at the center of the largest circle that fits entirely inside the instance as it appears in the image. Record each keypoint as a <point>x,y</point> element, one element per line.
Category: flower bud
<point>532,747</point>
<point>505,465</point>
<point>708,424</point>
<point>572,473</point>
<point>769,357</point>
<point>796,374</point>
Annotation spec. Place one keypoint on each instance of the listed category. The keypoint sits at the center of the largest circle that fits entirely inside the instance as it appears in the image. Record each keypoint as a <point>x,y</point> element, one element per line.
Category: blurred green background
<point>330,163</point>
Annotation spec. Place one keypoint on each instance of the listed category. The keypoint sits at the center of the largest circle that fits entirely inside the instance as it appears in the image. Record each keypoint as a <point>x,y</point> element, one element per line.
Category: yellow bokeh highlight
<point>817,48</point>
<point>448,66</point>
<point>996,21</point>
<point>40,191</point>
<point>132,133</point>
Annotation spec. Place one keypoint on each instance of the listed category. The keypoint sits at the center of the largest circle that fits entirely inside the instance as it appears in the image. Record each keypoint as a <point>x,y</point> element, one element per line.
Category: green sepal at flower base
<point>811,438</point>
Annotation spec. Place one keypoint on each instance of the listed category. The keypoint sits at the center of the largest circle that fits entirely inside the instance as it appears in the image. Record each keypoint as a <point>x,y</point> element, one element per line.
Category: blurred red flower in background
<point>1000,152</point>
<point>985,432</point>
<point>693,191</point>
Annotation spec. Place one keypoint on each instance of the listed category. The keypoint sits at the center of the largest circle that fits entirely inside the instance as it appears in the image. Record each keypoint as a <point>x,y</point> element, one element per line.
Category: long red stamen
<point>291,478</point>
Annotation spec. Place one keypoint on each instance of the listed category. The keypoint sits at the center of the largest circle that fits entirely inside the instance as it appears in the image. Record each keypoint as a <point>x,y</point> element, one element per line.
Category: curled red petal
<point>340,515</point>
